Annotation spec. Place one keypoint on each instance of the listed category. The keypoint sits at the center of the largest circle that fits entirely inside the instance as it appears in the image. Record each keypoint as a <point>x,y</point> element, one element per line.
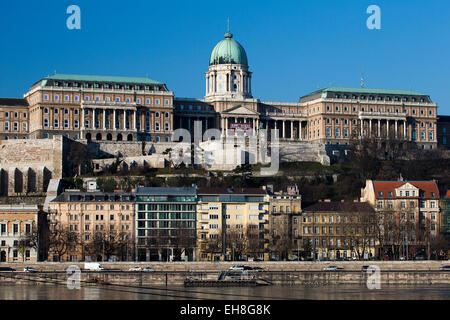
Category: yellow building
<point>92,226</point>
<point>232,224</point>
<point>20,232</point>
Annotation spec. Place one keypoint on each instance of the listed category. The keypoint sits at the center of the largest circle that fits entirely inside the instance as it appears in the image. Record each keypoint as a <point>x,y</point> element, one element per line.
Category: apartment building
<point>445,214</point>
<point>408,215</point>
<point>165,224</point>
<point>92,226</point>
<point>232,224</point>
<point>339,230</point>
<point>21,227</point>
<point>285,223</point>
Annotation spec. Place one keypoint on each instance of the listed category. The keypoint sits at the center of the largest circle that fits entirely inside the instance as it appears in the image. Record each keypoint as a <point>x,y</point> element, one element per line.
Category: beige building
<point>232,224</point>
<point>339,230</point>
<point>97,226</point>
<point>21,227</point>
<point>285,209</point>
<point>408,213</point>
<point>331,115</point>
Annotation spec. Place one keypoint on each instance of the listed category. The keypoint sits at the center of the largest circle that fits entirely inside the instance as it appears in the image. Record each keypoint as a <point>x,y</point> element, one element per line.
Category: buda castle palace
<point>108,108</point>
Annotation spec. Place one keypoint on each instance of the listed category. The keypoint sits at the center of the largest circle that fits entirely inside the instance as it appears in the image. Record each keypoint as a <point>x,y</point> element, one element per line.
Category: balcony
<point>382,115</point>
<point>109,104</point>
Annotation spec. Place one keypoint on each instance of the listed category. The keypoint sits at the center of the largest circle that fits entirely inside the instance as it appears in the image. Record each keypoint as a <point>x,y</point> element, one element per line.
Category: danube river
<point>329,292</point>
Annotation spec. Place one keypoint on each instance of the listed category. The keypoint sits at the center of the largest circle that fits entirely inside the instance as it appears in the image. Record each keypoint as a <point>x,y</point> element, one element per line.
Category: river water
<point>329,292</point>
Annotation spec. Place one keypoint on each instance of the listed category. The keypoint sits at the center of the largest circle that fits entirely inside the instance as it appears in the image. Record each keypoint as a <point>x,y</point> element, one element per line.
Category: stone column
<point>404,129</point>
<point>387,128</point>
<point>114,119</point>
<point>104,119</point>
<point>292,130</point>
<point>226,126</point>
<point>379,129</point>
<point>124,119</point>
<point>82,119</point>
<point>362,127</point>
<point>300,130</point>
<point>396,128</point>
<point>370,128</point>
<point>222,124</point>
<point>134,120</point>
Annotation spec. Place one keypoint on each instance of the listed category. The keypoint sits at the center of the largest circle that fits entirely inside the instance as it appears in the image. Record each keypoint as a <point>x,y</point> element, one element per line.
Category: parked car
<point>147,269</point>
<point>332,268</point>
<point>135,269</point>
<point>7,269</point>
<point>445,268</point>
<point>93,266</point>
<point>257,269</point>
<point>237,267</point>
<point>30,269</point>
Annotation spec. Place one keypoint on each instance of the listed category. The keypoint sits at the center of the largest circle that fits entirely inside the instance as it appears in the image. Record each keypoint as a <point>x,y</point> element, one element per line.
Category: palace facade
<point>103,108</point>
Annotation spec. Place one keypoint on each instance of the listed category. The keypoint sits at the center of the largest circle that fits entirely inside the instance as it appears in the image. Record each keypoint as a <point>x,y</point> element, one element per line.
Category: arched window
<point>157,126</point>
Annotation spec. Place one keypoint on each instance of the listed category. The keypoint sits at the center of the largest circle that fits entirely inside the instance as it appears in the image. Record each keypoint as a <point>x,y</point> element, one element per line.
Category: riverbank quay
<point>222,266</point>
<point>277,273</point>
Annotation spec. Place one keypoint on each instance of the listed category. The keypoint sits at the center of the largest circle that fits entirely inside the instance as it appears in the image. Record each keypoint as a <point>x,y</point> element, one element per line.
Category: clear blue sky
<point>293,47</point>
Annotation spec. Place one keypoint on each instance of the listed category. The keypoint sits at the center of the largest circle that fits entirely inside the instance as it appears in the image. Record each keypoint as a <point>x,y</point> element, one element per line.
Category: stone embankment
<point>277,273</point>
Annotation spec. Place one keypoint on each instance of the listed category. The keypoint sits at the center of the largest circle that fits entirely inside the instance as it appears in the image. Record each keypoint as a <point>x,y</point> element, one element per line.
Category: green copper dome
<point>228,51</point>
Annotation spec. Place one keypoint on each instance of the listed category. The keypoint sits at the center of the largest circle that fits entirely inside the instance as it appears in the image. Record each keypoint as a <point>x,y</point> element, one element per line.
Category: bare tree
<point>61,241</point>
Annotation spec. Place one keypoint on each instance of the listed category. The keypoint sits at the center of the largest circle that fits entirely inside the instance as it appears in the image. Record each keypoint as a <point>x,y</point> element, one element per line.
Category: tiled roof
<point>76,77</point>
<point>13,102</point>
<point>368,91</point>
<point>231,191</point>
<point>97,196</point>
<point>389,186</point>
<point>165,191</point>
<point>337,207</point>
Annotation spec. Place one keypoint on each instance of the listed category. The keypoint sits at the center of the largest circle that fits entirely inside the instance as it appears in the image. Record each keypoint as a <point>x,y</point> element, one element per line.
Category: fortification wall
<point>27,165</point>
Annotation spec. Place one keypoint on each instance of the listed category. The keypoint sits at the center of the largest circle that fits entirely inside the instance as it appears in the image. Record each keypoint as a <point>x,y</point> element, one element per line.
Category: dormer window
<point>433,195</point>
<point>380,194</point>
<point>391,195</point>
